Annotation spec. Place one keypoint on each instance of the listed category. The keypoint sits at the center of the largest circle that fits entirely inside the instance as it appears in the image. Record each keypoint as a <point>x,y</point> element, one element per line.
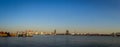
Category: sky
<point>84,16</point>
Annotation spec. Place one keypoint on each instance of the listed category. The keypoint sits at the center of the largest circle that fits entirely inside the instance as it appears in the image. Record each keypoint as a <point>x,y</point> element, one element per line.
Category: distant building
<point>36,33</point>
<point>54,32</point>
<point>118,34</point>
<point>41,33</point>
<point>67,32</point>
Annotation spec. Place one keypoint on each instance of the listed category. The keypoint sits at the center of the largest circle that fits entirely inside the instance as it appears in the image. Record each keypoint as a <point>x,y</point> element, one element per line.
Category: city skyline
<point>101,16</point>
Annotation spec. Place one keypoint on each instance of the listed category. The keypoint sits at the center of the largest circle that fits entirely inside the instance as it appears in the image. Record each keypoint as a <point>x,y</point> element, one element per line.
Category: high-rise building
<point>67,32</point>
<point>54,32</point>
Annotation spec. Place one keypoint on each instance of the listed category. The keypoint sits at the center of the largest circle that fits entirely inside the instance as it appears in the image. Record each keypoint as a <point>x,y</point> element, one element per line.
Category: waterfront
<point>60,41</point>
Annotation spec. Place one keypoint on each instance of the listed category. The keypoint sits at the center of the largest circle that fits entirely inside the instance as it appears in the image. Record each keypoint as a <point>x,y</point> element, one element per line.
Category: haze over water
<point>93,16</point>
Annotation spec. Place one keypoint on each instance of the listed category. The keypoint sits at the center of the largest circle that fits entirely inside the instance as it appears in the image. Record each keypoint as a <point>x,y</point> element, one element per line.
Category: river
<point>60,41</point>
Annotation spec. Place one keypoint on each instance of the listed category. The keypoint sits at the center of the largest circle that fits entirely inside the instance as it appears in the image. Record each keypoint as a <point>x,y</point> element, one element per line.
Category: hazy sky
<point>98,16</point>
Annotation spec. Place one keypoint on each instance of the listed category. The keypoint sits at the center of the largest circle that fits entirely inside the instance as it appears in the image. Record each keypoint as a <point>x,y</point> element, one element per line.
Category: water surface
<point>60,41</point>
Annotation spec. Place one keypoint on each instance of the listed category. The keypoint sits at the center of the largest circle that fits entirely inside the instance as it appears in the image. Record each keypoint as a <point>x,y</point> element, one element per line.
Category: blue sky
<point>46,15</point>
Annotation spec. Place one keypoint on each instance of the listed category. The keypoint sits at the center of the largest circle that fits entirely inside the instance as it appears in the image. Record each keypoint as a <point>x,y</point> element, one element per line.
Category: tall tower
<point>67,32</point>
<point>54,32</point>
